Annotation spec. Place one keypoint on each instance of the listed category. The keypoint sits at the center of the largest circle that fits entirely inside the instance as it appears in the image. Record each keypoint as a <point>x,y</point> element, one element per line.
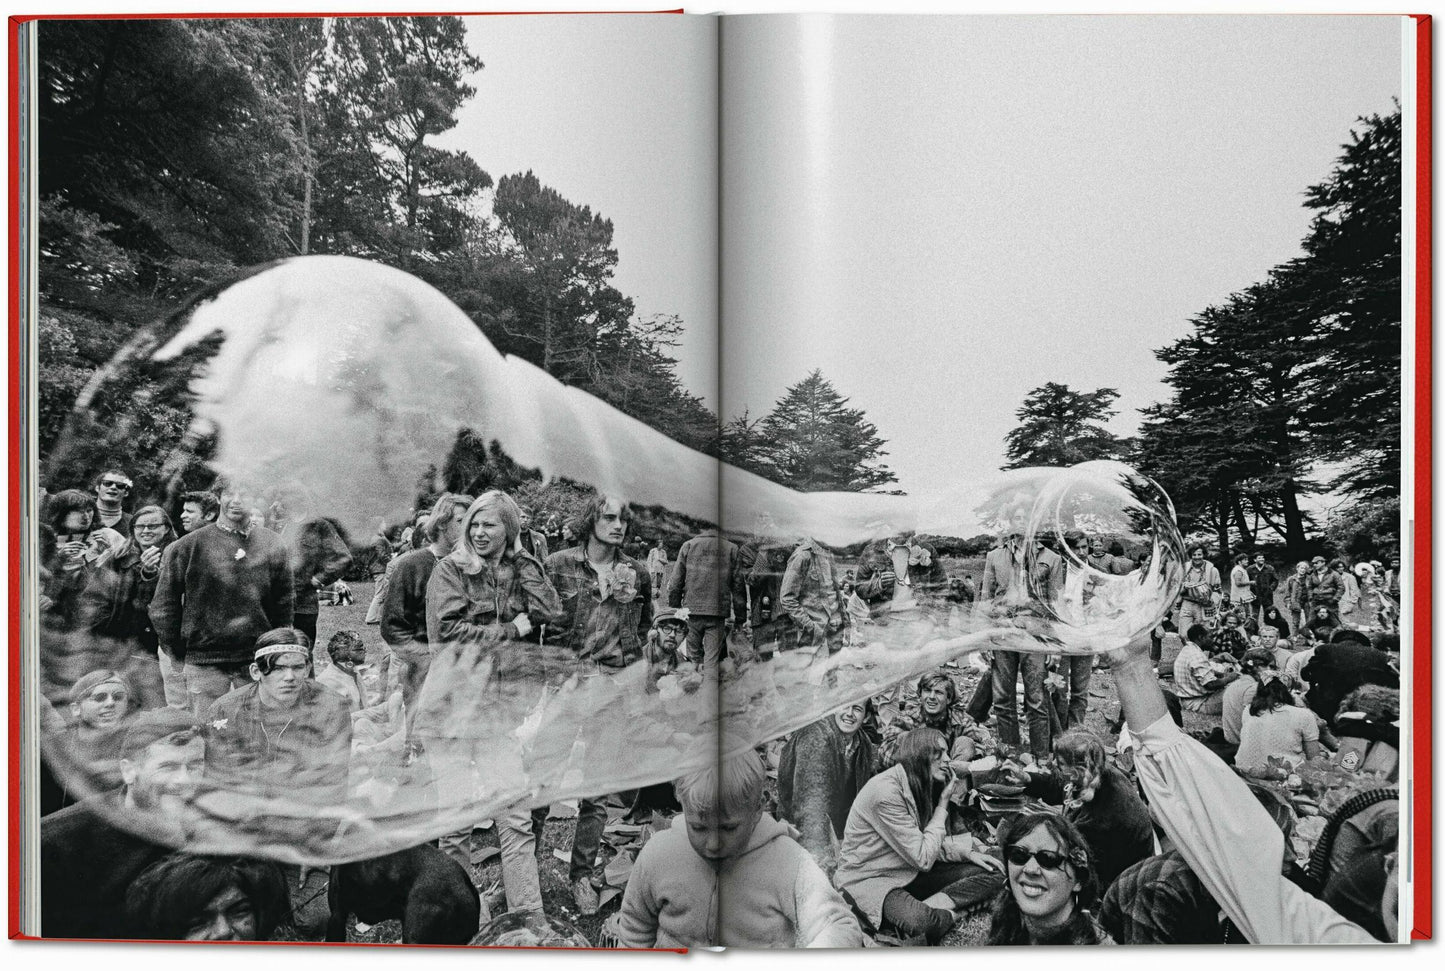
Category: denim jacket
<point>607,631</point>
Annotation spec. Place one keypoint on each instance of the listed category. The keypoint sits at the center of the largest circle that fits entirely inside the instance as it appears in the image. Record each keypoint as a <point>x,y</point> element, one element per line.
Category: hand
<point>150,556</point>
<point>950,787</point>
<point>523,624</point>
<point>74,550</point>
<point>980,858</point>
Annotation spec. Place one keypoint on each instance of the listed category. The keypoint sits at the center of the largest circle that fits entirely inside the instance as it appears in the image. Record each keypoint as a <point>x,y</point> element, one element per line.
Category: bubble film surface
<point>369,389</point>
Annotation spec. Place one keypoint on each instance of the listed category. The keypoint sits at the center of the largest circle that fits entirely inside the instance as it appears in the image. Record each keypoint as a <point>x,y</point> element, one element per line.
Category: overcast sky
<point>941,213</point>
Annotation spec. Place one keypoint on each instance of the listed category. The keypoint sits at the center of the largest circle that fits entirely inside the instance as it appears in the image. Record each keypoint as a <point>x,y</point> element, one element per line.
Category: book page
<point>375,354</point>
<point>1046,336</point>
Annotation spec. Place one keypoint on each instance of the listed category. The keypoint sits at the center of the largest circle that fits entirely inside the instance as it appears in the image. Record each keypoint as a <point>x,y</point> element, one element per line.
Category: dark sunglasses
<point>116,485</point>
<point>1020,856</point>
<point>101,697</point>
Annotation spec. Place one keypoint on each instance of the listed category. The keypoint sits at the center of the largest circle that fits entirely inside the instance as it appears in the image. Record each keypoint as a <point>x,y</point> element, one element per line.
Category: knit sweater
<point>403,613</point>
<point>218,591</point>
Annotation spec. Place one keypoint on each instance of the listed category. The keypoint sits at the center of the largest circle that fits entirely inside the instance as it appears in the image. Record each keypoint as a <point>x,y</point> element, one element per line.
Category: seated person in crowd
<point>1232,638</point>
<point>1199,682</point>
<point>346,650</point>
<point>88,859</point>
<point>822,769</point>
<point>1274,727</point>
<point>1341,666</point>
<point>1051,884</point>
<point>284,734</point>
<point>203,898</point>
<point>902,870</point>
<point>936,705</point>
<point>1367,727</point>
<point>1103,804</point>
<point>666,650</point>
<point>724,847</point>
<point>1257,665</point>
<point>101,707</point>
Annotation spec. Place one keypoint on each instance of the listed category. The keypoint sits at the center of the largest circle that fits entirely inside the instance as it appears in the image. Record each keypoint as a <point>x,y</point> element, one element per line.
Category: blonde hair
<point>507,511</point>
<point>731,786</point>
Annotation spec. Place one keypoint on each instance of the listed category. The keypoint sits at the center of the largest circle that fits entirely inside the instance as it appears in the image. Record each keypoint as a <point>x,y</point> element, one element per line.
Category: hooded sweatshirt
<point>770,895</point>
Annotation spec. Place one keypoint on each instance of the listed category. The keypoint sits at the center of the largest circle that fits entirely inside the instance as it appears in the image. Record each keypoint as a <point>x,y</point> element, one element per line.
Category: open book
<point>678,481</point>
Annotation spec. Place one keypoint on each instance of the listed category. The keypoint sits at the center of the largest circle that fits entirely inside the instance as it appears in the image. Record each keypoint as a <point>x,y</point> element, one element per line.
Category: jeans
<point>454,763</point>
<point>205,683</point>
<point>966,884</point>
<point>173,680</point>
<point>1190,613</point>
<point>706,639</point>
<point>586,839</point>
<point>1006,668</point>
<point>1080,669</point>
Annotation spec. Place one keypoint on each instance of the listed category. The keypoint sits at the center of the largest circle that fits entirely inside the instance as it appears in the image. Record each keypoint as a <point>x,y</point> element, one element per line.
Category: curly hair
<point>1007,925</point>
<point>165,901</point>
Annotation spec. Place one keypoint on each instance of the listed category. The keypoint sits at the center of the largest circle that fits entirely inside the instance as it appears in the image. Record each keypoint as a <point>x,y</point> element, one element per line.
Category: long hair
<point>165,900</point>
<point>1272,694</point>
<point>469,559</point>
<point>586,520</point>
<point>915,753</point>
<point>65,502</point>
<point>1007,926</point>
<point>441,514</point>
<point>133,545</point>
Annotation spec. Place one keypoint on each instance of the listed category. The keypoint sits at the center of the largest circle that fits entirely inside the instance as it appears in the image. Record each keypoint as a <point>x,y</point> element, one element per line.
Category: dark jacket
<point>705,577</point>
<point>115,603</point>
<point>87,865</point>
<point>218,591</point>
<point>301,752</point>
<point>316,550</point>
<point>403,612</point>
<point>610,631</point>
<point>1159,900</point>
<point>818,779</point>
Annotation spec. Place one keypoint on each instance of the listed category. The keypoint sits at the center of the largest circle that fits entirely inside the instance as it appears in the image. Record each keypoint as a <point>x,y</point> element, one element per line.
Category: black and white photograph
<point>679,481</point>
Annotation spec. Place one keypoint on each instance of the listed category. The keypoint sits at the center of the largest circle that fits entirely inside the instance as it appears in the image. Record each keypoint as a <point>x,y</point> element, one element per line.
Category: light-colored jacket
<point>770,895</point>
<point>885,847</point>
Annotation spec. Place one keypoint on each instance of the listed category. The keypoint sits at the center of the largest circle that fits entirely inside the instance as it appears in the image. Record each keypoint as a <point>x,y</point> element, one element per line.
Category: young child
<point>728,874</point>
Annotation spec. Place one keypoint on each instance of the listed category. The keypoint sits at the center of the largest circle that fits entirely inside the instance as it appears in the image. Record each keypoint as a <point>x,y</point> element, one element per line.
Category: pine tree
<point>1059,426</point>
<point>813,442</point>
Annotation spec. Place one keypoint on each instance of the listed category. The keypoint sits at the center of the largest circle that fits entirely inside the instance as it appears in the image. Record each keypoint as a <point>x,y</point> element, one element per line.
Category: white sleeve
<point>1230,842</point>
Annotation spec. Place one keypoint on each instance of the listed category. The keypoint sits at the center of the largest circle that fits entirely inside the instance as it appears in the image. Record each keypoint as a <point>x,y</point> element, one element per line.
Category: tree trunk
<point>1294,522</point>
<point>1237,508</point>
<point>547,334</point>
<point>1221,526</point>
<point>305,166</point>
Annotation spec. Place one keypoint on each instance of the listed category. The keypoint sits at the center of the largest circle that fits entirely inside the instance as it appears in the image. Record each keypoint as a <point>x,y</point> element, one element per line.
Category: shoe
<point>584,895</point>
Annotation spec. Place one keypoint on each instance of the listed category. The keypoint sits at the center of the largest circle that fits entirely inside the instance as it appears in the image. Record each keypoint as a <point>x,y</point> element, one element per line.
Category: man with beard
<point>87,860</point>
<point>606,615</point>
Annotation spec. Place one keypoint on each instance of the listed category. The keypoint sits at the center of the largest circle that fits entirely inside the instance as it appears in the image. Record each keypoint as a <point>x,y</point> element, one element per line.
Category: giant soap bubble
<point>332,387</point>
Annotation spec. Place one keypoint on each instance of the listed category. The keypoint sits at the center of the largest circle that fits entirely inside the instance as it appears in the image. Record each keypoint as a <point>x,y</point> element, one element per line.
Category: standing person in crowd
<point>726,848</point>
<point>220,588</point>
<point>810,598</point>
<point>705,581</point>
<point>1266,582</point>
<point>403,612</point>
<point>936,706</point>
<point>111,488</point>
<point>1351,596</point>
<point>198,509</point>
<point>1199,682</point>
<point>283,734</point>
<point>1004,589</point>
<point>202,898</point>
<point>1202,591</point>
<point>1392,579</point>
<point>606,613</point>
<point>1241,585</point>
<point>762,566</point>
<point>318,552</point>
<point>1221,830</point>
<point>116,605</point>
<point>484,600</point>
<point>1325,588</point>
<point>1099,558</point>
<point>378,568</point>
<point>89,859</point>
<point>657,567</point>
<point>898,865</point>
<point>1297,594</point>
<point>1051,884</point>
<point>822,769</point>
<point>532,540</point>
<point>1072,588</point>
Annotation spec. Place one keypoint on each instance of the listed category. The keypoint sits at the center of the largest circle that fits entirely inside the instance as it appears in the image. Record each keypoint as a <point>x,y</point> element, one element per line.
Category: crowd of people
<point>178,662</point>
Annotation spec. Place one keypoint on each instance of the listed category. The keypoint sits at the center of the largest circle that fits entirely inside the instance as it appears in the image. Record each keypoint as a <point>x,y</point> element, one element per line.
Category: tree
<point>813,442</point>
<point>1059,426</point>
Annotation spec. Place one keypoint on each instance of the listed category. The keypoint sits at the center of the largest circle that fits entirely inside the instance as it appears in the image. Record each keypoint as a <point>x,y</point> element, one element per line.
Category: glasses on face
<point>1020,856</point>
<point>149,527</point>
<point>113,484</point>
<point>101,697</point>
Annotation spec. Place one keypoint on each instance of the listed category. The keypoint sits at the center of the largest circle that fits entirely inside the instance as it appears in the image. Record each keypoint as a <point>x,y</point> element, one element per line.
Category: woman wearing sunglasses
<point>1051,884</point>
<point>1220,829</point>
<point>117,601</point>
<point>899,867</point>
